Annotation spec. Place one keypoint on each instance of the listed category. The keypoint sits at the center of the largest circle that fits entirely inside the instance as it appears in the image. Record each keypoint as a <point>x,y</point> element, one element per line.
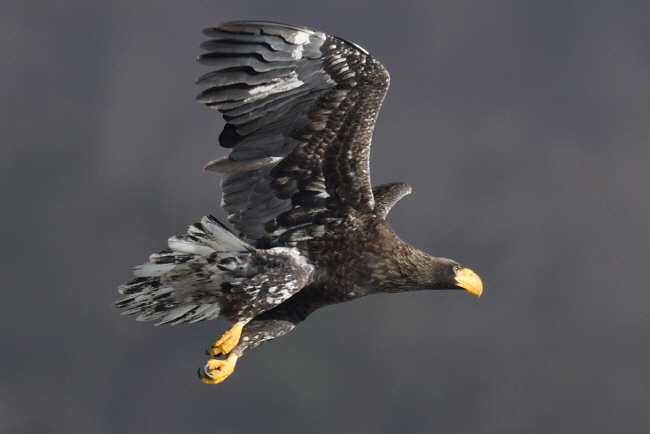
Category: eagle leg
<point>228,341</point>
<point>215,371</point>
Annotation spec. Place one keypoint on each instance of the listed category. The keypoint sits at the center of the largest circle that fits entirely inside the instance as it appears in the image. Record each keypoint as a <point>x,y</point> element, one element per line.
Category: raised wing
<point>300,108</point>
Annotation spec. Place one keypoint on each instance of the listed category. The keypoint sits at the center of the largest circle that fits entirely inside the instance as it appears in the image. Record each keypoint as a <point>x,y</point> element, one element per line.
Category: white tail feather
<point>184,283</point>
<point>149,269</point>
<point>210,273</point>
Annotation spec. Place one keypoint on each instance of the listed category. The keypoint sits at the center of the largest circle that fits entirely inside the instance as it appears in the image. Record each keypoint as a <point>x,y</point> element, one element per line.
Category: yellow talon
<point>228,341</point>
<point>215,371</point>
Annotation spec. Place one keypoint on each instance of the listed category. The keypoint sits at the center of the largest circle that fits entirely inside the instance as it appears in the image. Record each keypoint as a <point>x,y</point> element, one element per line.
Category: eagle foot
<point>228,340</point>
<point>215,371</point>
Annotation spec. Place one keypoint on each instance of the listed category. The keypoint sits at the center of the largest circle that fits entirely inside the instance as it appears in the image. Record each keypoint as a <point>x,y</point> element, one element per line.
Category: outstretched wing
<point>300,108</point>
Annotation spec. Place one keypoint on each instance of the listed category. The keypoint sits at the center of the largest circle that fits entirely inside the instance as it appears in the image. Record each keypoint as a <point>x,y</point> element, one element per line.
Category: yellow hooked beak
<point>469,281</point>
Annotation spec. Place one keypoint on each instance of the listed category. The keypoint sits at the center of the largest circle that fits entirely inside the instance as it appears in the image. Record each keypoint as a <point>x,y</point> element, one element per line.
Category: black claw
<point>204,374</point>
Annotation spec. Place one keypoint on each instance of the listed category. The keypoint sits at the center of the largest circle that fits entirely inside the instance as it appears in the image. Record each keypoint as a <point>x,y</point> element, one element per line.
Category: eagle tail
<point>184,282</point>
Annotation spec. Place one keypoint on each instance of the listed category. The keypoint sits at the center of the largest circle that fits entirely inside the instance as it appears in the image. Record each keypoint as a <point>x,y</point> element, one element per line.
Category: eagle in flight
<point>300,107</point>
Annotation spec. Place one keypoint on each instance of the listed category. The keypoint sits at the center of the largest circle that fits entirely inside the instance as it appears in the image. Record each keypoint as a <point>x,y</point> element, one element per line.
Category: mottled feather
<point>300,108</point>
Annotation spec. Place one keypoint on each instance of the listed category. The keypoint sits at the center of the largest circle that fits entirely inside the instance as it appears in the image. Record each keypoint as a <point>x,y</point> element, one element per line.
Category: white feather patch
<point>187,246</point>
<point>149,269</point>
<point>177,313</point>
<point>225,240</point>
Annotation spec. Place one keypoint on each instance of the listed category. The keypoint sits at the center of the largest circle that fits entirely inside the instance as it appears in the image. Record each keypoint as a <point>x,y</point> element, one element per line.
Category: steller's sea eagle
<point>300,108</point>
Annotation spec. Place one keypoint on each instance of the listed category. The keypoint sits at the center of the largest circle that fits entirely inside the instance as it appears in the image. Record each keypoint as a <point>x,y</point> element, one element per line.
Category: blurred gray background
<point>523,128</point>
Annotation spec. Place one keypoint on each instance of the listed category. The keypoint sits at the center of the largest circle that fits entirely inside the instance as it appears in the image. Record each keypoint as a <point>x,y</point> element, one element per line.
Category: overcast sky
<point>523,128</point>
